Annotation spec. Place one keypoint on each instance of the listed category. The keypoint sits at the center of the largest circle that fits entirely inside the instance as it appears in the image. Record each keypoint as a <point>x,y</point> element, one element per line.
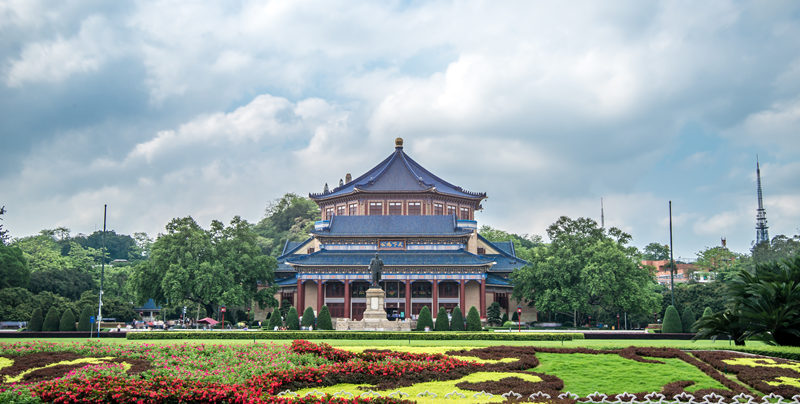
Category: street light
<point>223,317</point>
<point>519,318</point>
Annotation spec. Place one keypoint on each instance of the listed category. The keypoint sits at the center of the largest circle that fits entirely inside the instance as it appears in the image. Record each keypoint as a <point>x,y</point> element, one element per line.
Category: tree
<point>287,218</point>
<point>688,320</point>
<point>442,322</point>
<point>515,317</point>
<point>695,296</point>
<point>285,305</point>
<point>113,306</point>
<point>727,323</point>
<point>493,314</point>
<point>424,319</point>
<point>118,246</point>
<point>473,320</point>
<point>768,301</point>
<point>36,322</point>
<point>51,320</point>
<point>292,320</point>
<point>523,244</point>
<point>655,252</point>
<point>504,319</point>
<point>13,267</point>
<point>779,248</point>
<point>457,322</point>
<point>16,304</point>
<point>275,320</point>
<point>586,269</point>
<point>308,317</point>
<point>3,233</point>
<point>672,321</point>
<point>223,265</point>
<point>324,319</point>
<point>70,283</point>
<point>84,321</point>
<point>720,261</point>
<point>707,312</point>
<point>67,322</point>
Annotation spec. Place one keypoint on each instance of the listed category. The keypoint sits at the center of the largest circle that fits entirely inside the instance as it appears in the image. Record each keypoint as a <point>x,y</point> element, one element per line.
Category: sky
<point>164,109</point>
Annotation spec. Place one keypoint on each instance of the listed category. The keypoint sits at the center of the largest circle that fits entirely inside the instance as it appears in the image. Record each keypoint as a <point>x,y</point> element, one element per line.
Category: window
<point>451,210</point>
<point>340,210</point>
<point>353,208</point>
<point>334,289</point>
<point>328,213</point>
<point>464,214</point>
<point>438,209</point>
<point>448,289</point>
<point>481,251</point>
<point>310,250</point>
<point>375,208</point>
<point>395,208</point>
<point>414,208</point>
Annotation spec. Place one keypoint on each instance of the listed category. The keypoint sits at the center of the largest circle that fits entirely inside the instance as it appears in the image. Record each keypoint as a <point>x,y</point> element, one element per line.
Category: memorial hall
<point>422,227</point>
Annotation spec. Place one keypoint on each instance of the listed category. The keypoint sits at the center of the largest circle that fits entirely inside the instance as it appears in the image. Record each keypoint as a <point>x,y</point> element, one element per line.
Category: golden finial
<point>398,143</point>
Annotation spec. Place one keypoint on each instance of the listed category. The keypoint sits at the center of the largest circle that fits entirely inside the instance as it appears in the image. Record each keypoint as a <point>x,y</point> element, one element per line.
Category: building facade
<point>423,229</point>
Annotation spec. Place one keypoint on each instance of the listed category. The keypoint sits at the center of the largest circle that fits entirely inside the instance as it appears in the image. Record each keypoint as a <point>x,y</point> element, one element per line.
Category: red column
<point>435,300</point>
<point>319,296</point>
<point>301,295</point>
<point>408,298</point>
<point>347,298</point>
<point>483,298</point>
<point>462,297</point>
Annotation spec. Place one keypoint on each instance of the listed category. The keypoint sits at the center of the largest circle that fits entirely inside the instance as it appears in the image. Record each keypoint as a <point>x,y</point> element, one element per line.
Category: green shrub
<point>35,324</point>
<point>67,322</point>
<point>510,324</point>
<point>51,320</point>
<point>308,317</point>
<point>504,319</point>
<point>672,321</point>
<point>275,320</point>
<point>707,312</point>
<point>424,319</point>
<point>687,320</point>
<point>356,335</point>
<point>84,323</point>
<point>442,322</point>
<point>324,319</point>
<point>457,322</point>
<point>473,320</point>
<point>515,316</point>
<point>493,314</point>
<point>292,320</point>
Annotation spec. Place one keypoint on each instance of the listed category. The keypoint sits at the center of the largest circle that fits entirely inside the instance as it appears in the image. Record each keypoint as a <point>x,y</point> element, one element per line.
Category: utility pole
<point>671,259</point>
<point>102,272</point>
<point>602,215</point>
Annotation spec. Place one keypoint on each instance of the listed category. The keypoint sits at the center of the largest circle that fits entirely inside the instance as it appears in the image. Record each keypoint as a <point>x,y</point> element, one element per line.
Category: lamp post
<point>519,318</point>
<point>617,321</point>
<point>223,317</point>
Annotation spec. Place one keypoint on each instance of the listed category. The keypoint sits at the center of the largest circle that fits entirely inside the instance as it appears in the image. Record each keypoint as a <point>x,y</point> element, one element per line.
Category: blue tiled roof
<point>362,226</point>
<point>292,280</point>
<point>494,280</point>
<point>290,246</point>
<point>391,258</point>
<point>506,246</point>
<point>149,305</point>
<point>398,173</point>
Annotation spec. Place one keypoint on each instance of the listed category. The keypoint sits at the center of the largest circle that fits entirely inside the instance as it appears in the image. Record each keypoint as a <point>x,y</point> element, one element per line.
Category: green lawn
<point>583,374</point>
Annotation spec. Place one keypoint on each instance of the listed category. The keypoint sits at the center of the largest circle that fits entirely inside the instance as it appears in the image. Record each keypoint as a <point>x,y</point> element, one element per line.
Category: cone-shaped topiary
<point>67,322</point>
<point>504,319</point>
<point>473,320</point>
<point>275,319</point>
<point>84,323</point>
<point>672,321</point>
<point>708,312</point>
<point>493,314</point>
<point>35,324</point>
<point>308,317</point>
<point>442,322</point>
<point>424,319</point>
<point>515,317</point>
<point>324,319</point>
<point>457,322</point>
<point>687,320</point>
<point>51,320</point>
<point>292,320</point>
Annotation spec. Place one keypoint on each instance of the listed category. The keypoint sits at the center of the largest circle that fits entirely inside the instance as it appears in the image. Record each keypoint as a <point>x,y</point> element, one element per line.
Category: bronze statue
<point>376,267</point>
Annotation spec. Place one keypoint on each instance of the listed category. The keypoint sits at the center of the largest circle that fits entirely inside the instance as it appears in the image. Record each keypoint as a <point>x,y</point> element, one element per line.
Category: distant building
<point>683,272</point>
<point>423,229</point>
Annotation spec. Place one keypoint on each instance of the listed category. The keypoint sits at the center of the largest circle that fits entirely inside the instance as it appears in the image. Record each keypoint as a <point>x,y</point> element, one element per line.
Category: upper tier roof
<point>398,173</point>
<point>390,258</point>
<point>396,225</point>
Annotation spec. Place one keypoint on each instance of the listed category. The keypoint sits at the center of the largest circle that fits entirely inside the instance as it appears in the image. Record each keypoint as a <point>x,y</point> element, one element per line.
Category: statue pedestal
<point>375,305</point>
<point>374,318</point>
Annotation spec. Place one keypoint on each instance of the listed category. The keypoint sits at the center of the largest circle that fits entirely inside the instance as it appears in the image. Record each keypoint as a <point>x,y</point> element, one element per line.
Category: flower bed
<point>262,373</point>
<point>362,335</point>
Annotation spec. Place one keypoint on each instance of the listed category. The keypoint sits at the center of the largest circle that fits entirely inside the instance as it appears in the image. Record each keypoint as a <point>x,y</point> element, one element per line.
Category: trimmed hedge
<point>308,318</point>
<point>424,319</point>
<point>36,320</point>
<point>688,320</point>
<point>473,320</point>
<point>324,319</point>
<point>442,322</point>
<point>672,321</point>
<point>67,322</point>
<point>83,320</point>
<point>292,320</point>
<point>365,335</point>
<point>51,320</point>
<point>457,322</point>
